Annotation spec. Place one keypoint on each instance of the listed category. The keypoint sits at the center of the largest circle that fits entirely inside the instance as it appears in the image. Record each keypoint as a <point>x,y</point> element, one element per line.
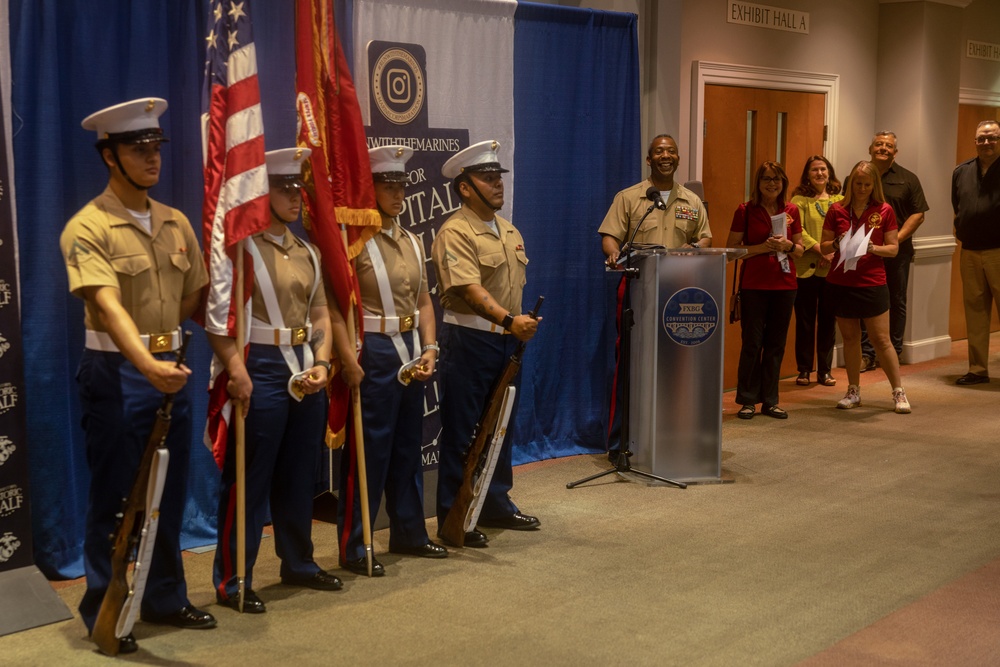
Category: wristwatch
<point>508,321</point>
<point>324,364</point>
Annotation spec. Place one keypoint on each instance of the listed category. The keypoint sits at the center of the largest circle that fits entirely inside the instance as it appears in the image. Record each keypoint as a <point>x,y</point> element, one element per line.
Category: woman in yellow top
<point>815,324</point>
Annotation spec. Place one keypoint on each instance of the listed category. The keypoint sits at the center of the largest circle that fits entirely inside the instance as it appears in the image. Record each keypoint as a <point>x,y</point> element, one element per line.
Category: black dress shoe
<point>429,550</point>
<point>473,539</point>
<point>868,363</point>
<point>515,521</point>
<point>360,566</point>
<point>187,618</point>
<point>251,603</point>
<point>127,644</point>
<point>972,378</point>
<point>321,581</point>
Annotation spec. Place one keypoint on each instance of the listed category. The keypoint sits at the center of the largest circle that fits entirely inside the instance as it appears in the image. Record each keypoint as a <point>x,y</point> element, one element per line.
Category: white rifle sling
<point>482,482</point>
<point>144,554</point>
<point>267,294</point>
<point>385,296</point>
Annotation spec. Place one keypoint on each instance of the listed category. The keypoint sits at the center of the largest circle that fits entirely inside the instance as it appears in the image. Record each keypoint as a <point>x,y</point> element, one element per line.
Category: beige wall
<point>831,47</point>
<point>900,66</point>
<point>844,39</point>
<point>981,22</point>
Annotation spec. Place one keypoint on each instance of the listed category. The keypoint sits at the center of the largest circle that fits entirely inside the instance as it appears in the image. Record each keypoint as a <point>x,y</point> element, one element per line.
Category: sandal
<point>802,379</point>
<point>746,412</point>
<point>827,380</point>
<point>774,411</point>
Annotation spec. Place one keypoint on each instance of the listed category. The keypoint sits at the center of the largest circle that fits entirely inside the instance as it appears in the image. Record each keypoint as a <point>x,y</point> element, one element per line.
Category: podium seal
<point>690,316</point>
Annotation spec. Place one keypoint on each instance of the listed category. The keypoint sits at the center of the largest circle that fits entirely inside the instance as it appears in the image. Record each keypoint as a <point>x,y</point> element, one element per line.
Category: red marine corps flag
<point>339,190</point>
<point>236,189</point>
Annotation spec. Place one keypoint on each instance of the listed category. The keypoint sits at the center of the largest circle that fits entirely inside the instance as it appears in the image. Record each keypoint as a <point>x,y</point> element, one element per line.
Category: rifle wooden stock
<point>125,538</point>
<point>453,529</point>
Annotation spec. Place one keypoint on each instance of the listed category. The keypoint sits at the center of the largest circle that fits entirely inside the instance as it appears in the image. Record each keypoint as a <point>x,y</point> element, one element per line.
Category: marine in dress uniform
<point>399,354</point>
<point>137,266</point>
<point>281,389</point>
<point>480,262</point>
<point>682,222</point>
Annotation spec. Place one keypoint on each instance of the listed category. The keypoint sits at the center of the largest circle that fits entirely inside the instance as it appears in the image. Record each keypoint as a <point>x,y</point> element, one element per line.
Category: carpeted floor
<point>848,538</point>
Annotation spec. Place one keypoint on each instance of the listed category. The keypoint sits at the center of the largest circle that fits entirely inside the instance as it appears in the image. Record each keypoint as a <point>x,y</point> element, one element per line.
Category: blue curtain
<point>577,136</point>
<point>69,59</point>
<point>576,133</point>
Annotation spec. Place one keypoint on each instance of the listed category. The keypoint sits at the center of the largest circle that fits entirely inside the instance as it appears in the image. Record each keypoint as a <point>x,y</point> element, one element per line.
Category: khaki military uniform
<point>407,273</point>
<point>292,274</point>
<point>283,435</point>
<point>467,252</point>
<point>684,221</point>
<point>391,413</point>
<point>103,245</point>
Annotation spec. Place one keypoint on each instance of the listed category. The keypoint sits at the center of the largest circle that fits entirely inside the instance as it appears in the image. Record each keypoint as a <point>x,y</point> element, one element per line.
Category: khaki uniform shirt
<point>685,219</point>
<point>407,273</point>
<point>467,252</point>
<point>104,245</point>
<point>292,275</point>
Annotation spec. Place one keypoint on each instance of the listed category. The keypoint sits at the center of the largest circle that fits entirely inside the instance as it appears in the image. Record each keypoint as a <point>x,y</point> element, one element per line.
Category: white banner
<point>469,83</point>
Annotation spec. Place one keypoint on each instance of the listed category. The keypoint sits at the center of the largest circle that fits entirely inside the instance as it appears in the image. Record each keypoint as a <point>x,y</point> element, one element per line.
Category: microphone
<point>653,195</point>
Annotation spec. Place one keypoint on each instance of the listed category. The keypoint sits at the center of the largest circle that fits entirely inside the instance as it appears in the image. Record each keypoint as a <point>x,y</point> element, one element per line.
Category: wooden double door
<point>744,127</point>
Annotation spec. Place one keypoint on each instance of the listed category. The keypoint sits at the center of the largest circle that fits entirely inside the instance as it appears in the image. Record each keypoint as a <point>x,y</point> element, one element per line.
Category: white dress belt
<point>473,321</point>
<point>157,342</point>
<point>391,325</point>
<point>281,336</point>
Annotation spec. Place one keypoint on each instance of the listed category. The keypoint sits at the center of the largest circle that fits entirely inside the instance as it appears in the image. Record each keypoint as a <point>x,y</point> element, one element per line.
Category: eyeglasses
<point>770,179</point>
<point>988,139</point>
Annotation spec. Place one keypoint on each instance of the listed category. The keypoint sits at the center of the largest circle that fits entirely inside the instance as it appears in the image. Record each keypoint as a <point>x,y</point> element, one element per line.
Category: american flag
<point>236,189</point>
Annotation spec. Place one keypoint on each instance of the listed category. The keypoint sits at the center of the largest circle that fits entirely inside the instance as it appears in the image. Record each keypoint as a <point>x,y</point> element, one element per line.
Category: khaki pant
<point>980,288</point>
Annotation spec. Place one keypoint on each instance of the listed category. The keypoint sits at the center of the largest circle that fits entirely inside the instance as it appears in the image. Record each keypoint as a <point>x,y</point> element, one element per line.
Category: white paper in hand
<point>779,224</point>
<point>853,246</point>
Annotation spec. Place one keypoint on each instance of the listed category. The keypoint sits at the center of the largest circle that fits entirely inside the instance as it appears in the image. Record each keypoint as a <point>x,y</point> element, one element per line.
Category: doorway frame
<point>749,76</point>
<point>979,96</point>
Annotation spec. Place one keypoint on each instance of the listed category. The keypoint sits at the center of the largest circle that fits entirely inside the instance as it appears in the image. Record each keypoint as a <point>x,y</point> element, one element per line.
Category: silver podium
<point>679,301</point>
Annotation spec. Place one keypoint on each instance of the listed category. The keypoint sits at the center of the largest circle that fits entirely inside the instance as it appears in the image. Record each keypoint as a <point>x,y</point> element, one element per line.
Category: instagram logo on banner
<point>397,83</point>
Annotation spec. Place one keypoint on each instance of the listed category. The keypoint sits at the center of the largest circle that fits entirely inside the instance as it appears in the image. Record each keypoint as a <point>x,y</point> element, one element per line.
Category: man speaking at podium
<point>679,221</point>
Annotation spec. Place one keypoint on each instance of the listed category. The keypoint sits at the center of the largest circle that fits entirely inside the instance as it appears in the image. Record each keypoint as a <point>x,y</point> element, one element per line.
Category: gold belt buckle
<point>405,323</point>
<point>160,342</point>
<point>298,335</point>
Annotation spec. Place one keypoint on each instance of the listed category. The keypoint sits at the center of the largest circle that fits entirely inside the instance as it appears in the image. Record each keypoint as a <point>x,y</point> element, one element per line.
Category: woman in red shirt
<point>770,229</point>
<point>860,292</point>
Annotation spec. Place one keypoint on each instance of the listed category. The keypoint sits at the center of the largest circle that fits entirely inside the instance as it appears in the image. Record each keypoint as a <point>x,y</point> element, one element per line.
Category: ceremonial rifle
<point>480,461</point>
<point>135,533</point>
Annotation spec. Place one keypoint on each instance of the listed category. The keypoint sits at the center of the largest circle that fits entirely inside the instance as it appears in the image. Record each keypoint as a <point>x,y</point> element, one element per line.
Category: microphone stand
<point>622,465</point>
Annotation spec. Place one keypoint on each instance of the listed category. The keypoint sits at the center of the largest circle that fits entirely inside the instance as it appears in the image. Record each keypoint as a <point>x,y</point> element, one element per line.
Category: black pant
<point>766,314</point>
<point>897,278</point>
<point>815,326</point>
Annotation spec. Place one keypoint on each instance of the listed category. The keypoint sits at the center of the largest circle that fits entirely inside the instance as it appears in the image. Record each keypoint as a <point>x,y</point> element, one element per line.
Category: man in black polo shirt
<point>975,196</point>
<point>903,192</point>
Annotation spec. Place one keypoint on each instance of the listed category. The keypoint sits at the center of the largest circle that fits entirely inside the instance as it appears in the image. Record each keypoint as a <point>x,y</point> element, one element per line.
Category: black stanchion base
<point>623,466</point>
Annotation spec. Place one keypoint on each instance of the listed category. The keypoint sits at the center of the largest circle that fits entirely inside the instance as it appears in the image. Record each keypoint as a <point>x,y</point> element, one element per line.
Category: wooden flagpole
<point>359,439</point>
<point>241,490</point>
